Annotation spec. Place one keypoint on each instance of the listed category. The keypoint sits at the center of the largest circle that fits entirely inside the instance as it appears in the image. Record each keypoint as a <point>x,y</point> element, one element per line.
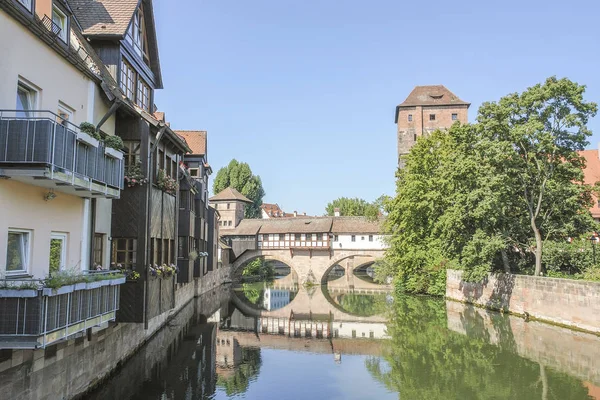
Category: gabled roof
<point>104,17</point>
<point>111,19</point>
<point>296,225</point>
<point>437,95</point>
<point>230,194</point>
<point>355,225</point>
<point>196,140</point>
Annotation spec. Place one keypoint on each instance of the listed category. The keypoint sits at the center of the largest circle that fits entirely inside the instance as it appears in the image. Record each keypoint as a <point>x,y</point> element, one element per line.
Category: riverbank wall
<point>71,367</point>
<point>571,303</point>
<point>562,349</point>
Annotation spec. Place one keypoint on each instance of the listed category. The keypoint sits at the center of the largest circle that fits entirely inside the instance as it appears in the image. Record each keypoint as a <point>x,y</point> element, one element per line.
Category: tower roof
<point>431,95</point>
<point>230,194</point>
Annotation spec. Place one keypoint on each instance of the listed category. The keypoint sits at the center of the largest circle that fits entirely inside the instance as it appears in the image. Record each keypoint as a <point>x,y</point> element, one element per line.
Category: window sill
<point>17,275</point>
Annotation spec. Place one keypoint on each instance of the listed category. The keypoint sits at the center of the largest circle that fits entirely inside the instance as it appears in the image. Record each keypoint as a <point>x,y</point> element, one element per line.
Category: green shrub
<point>90,129</point>
<point>114,142</point>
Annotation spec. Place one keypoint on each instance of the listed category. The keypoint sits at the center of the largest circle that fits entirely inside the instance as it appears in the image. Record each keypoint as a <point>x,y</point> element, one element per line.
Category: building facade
<point>231,206</point>
<point>426,109</point>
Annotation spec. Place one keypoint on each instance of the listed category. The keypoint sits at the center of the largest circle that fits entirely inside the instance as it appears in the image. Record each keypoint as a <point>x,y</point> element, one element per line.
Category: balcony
<point>38,148</point>
<point>33,316</point>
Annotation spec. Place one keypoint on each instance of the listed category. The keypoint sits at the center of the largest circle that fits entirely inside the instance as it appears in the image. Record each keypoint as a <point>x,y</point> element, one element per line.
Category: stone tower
<point>426,109</point>
<point>231,206</point>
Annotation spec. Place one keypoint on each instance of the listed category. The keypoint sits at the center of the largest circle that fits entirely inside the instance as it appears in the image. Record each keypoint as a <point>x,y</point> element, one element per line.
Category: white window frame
<point>26,252</point>
<point>63,256</point>
<point>32,95</point>
<point>64,25</point>
<point>64,109</point>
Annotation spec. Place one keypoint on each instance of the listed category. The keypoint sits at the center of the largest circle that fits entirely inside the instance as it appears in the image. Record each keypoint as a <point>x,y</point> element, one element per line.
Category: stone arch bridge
<point>313,266</point>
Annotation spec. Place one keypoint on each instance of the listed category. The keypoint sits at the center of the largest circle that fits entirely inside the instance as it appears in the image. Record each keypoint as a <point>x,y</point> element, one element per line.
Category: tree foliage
<point>356,207</point>
<point>238,175</point>
<point>487,196</point>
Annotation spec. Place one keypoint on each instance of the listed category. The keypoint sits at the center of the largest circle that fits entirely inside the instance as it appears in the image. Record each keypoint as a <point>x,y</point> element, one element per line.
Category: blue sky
<point>305,91</point>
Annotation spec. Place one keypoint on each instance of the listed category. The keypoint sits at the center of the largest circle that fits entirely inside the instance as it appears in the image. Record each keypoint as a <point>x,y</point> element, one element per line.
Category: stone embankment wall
<point>567,302</point>
<point>564,350</point>
<point>69,368</point>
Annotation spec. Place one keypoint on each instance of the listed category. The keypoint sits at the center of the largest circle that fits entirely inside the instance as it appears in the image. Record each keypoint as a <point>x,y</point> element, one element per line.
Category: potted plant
<point>88,135</point>
<point>166,183</point>
<point>113,146</point>
<point>23,289</point>
<point>134,175</point>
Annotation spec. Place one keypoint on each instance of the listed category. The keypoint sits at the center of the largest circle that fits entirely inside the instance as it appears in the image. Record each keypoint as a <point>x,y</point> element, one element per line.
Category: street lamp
<point>594,239</point>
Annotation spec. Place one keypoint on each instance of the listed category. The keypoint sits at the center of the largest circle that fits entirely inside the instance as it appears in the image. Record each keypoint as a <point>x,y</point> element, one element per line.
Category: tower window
<point>454,117</point>
<point>432,117</point>
<point>409,117</point>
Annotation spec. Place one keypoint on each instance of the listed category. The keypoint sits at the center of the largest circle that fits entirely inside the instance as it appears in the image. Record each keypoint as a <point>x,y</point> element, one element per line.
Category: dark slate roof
<point>230,194</point>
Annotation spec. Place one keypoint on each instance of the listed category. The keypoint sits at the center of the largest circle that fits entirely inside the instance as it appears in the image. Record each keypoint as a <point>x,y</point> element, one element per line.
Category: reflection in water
<point>355,346</point>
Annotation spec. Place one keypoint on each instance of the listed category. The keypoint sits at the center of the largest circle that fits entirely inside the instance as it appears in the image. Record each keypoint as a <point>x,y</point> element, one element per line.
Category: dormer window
<point>136,35</point>
<point>26,4</point>
<point>60,20</point>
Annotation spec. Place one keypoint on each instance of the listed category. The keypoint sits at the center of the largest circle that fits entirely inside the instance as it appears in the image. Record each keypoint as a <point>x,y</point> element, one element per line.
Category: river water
<point>284,341</point>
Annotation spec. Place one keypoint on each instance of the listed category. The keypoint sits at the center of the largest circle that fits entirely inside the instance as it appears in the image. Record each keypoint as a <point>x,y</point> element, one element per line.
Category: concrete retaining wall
<point>562,301</point>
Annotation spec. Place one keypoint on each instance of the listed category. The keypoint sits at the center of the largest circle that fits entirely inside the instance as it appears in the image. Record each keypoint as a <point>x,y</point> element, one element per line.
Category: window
<point>128,79</point>
<point>181,247</point>
<point>26,4</point>
<point>60,19</point>
<point>194,172</point>
<point>370,238</point>
<point>335,238</point>
<point>17,251</point>
<point>454,117</point>
<point>354,238</point>
<point>229,223</point>
<point>132,153</point>
<point>124,252</point>
<point>98,248</point>
<point>65,113</point>
<point>228,205</point>
<point>26,98</point>
<point>143,95</point>
<point>297,236</point>
<point>409,117</point>
<point>136,35</point>
<point>432,117</point>
<point>58,252</point>
<point>281,236</point>
<point>362,238</point>
<point>265,238</point>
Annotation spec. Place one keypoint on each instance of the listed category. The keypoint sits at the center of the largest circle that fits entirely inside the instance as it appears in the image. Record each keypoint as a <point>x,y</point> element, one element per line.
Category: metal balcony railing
<point>37,317</point>
<point>42,138</point>
<point>51,25</point>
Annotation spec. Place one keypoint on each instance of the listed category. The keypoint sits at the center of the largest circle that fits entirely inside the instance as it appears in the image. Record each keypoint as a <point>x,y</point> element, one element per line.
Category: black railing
<point>42,137</point>
<point>51,25</point>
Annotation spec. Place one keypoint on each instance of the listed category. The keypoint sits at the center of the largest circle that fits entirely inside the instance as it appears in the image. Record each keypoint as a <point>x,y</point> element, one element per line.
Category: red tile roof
<point>592,175</point>
<point>432,95</point>
<point>196,140</point>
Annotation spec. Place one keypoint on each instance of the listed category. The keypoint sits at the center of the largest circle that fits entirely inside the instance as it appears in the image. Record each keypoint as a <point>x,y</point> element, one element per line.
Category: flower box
<point>87,139</point>
<point>18,293</point>
<point>80,286</point>
<point>61,290</point>
<point>117,281</point>
<point>109,151</point>
<point>96,284</point>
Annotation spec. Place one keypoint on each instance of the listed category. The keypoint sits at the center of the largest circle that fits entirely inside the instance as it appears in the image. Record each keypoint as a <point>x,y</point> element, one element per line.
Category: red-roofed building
<point>591,176</point>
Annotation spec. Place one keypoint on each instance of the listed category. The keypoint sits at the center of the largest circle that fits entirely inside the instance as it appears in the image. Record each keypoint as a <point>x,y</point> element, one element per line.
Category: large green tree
<point>478,196</point>
<point>238,175</point>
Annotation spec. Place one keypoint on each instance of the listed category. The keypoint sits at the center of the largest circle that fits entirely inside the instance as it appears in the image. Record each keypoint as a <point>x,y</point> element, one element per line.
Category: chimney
<point>336,212</point>
<point>295,214</point>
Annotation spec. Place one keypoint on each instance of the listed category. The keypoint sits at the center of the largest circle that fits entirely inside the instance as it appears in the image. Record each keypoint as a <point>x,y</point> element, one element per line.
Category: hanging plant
<point>90,129</point>
<point>166,183</point>
<point>134,175</point>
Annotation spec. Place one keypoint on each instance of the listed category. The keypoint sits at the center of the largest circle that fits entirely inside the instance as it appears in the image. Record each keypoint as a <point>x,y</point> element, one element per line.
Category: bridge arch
<point>371,259</point>
<point>248,257</point>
